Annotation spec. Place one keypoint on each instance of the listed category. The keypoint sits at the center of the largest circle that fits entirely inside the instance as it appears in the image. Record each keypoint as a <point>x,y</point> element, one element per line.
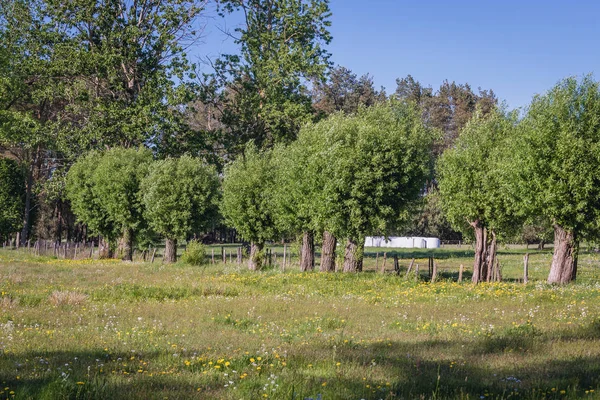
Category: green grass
<point>90,329</point>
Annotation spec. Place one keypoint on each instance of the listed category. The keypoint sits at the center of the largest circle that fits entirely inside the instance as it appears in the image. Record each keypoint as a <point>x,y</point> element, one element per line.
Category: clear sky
<point>516,48</point>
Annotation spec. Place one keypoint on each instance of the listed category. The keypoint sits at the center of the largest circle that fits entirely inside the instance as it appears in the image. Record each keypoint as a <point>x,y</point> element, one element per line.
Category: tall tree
<point>128,55</point>
<point>470,182</point>
<point>105,192</point>
<point>447,109</point>
<point>82,74</point>
<point>248,202</point>
<point>30,91</point>
<point>557,164</point>
<point>179,197</point>
<point>12,192</point>
<point>344,91</point>
<point>87,205</point>
<point>375,164</point>
<point>262,90</point>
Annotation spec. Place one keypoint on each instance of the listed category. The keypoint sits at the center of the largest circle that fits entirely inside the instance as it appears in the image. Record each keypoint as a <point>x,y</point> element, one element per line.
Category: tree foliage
<point>104,189</point>
<point>344,91</point>
<point>85,202</point>
<point>180,196</point>
<point>469,174</point>
<point>262,90</point>
<point>472,183</point>
<point>556,164</point>
<point>375,164</point>
<point>247,203</point>
<point>12,193</point>
<point>128,55</point>
<point>449,108</point>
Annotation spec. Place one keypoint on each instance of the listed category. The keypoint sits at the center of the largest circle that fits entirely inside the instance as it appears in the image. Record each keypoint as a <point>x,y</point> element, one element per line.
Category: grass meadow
<point>89,329</point>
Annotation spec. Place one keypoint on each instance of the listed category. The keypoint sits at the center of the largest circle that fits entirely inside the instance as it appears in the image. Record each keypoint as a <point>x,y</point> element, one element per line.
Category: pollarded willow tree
<point>374,164</point>
<point>471,179</point>
<point>248,202</point>
<point>556,168</point>
<point>104,190</point>
<point>86,205</point>
<point>295,193</point>
<point>179,197</point>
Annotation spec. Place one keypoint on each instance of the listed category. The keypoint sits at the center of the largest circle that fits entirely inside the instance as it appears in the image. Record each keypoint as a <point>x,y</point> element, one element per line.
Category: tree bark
<point>104,250</point>
<point>564,259</point>
<point>328,252</point>
<point>126,245</point>
<point>479,250</point>
<point>170,251</point>
<point>353,256</point>
<point>255,260</point>
<point>308,252</point>
<point>491,258</point>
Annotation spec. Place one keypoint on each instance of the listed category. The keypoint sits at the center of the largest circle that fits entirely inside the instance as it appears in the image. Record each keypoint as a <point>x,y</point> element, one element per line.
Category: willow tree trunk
<point>479,250</point>
<point>170,251</point>
<point>104,250</point>
<point>308,252</point>
<point>255,260</point>
<point>328,252</point>
<point>126,245</point>
<point>564,260</point>
<point>491,258</point>
<point>353,256</point>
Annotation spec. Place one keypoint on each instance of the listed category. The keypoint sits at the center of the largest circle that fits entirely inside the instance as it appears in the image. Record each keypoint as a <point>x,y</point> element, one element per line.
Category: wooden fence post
<point>410,267</point>
<point>384,261</point>
<point>526,268</point>
<point>153,254</point>
<point>212,252</point>
<point>396,265</point>
<point>460,273</point>
<point>433,270</point>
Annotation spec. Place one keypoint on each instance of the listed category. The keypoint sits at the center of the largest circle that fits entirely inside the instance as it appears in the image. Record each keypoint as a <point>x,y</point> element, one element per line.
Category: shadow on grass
<point>418,376</point>
<point>425,369</point>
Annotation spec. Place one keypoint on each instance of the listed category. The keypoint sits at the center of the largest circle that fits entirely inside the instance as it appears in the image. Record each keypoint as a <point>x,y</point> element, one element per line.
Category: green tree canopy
<point>471,185</point>
<point>556,164</point>
<point>248,203</point>
<point>104,190</point>
<point>179,197</point>
<point>12,193</point>
<point>365,170</point>
<point>263,89</point>
<point>85,202</point>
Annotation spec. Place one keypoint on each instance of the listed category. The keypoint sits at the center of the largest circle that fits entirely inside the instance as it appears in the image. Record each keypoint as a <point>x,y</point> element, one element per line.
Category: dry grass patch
<point>8,302</point>
<point>66,298</point>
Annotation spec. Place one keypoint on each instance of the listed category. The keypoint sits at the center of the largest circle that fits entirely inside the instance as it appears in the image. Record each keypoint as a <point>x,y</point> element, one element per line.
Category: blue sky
<point>516,48</point>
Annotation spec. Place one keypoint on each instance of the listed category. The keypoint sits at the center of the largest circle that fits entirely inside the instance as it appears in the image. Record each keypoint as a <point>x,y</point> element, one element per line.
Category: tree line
<point>107,128</point>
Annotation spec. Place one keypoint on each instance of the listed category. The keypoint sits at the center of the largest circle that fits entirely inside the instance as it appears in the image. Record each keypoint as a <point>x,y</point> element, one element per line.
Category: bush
<point>195,253</point>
